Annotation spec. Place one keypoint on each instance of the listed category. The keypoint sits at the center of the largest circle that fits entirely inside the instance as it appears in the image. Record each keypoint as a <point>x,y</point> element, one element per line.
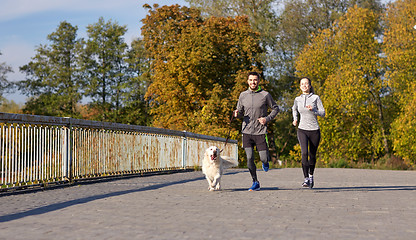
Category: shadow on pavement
<point>246,189</point>
<point>333,189</point>
<point>57,206</point>
<point>366,188</point>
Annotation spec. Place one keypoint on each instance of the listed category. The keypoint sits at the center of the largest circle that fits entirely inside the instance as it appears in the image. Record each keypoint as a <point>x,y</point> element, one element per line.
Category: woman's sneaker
<point>311,182</point>
<point>255,187</point>
<point>305,183</point>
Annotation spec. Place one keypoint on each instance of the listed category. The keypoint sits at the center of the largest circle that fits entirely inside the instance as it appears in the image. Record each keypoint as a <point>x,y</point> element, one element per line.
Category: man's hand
<point>235,113</point>
<point>262,120</point>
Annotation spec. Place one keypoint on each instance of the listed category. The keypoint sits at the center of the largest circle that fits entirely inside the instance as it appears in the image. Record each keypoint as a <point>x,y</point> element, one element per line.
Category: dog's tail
<point>229,162</point>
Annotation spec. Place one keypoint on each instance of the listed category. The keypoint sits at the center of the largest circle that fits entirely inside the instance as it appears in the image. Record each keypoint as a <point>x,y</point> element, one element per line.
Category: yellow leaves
<point>296,153</point>
<point>317,59</point>
<point>342,63</point>
<point>400,48</point>
<point>404,132</point>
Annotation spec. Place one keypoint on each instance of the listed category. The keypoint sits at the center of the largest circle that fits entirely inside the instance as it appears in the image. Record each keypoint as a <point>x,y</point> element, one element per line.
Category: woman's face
<point>305,86</point>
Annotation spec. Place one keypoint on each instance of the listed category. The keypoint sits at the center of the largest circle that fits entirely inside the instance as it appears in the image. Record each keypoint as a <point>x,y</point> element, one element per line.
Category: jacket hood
<point>257,90</point>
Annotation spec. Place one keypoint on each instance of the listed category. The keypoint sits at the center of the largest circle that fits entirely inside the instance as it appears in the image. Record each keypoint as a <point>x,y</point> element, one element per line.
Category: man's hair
<point>255,74</point>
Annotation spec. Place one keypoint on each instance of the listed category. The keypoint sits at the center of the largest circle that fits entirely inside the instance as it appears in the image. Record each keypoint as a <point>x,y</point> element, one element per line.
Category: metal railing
<point>40,149</point>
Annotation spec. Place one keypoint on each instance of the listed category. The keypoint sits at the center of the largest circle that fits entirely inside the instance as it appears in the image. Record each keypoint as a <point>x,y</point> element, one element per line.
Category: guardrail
<point>41,149</point>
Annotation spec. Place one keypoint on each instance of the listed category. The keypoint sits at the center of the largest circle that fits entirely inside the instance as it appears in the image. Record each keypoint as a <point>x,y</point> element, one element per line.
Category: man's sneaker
<point>266,166</point>
<point>305,183</point>
<point>311,182</point>
<point>255,187</point>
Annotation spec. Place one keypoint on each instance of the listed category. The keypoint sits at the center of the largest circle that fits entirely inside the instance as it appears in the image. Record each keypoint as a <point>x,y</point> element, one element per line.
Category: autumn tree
<point>198,67</point>
<point>105,69</point>
<point>53,80</point>
<point>400,48</point>
<point>344,64</point>
<point>299,20</point>
<point>285,27</point>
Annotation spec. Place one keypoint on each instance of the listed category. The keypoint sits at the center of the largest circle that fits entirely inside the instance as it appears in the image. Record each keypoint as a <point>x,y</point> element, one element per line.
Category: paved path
<point>345,204</point>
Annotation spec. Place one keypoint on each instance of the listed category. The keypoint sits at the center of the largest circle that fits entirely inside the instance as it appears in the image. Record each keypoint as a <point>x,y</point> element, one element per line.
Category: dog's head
<point>212,153</point>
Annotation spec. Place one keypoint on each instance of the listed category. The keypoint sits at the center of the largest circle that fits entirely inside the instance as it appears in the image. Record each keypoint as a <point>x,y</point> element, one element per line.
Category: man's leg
<point>264,156</point>
<point>250,163</point>
<point>263,148</point>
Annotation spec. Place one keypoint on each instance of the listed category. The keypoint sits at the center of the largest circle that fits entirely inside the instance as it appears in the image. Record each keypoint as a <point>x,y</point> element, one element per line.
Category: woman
<point>309,106</point>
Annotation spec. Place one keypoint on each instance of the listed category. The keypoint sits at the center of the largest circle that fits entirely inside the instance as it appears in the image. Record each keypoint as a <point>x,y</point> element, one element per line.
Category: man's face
<point>253,82</point>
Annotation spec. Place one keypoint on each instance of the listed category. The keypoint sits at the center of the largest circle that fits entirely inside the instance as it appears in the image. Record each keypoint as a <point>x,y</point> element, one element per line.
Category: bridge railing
<point>41,149</point>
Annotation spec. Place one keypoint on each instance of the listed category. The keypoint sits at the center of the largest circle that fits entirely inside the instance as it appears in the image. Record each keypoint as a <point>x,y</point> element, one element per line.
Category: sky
<point>25,24</point>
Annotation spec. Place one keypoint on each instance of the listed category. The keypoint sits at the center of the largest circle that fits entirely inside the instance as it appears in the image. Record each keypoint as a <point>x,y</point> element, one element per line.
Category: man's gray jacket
<point>253,105</point>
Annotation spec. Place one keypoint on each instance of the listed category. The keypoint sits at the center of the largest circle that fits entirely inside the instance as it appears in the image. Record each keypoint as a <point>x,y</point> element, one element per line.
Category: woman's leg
<point>314,139</point>
<point>303,142</point>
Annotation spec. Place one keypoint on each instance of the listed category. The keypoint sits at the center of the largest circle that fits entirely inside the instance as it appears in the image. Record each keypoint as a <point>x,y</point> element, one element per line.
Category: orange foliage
<point>196,67</point>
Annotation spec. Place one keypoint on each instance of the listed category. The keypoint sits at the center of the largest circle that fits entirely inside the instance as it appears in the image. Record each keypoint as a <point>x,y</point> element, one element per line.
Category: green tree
<point>135,109</point>
<point>345,65</point>
<point>4,83</point>
<point>198,67</point>
<point>52,77</point>
<point>105,68</point>
<point>10,107</point>
<point>400,48</point>
<point>262,14</point>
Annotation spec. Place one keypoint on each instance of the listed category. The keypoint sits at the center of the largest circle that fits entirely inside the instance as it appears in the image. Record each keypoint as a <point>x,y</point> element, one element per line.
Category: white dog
<point>213,166</point>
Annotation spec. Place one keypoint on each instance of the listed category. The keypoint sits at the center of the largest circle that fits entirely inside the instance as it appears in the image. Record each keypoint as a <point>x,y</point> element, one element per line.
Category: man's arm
<point>272,105</point>
<point>239,112</point>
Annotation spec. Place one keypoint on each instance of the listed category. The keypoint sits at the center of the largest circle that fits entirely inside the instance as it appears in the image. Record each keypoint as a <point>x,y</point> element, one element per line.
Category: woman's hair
<point>310,84</point>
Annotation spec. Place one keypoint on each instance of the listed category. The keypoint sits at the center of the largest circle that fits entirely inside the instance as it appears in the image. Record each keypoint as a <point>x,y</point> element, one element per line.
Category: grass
<point>385,163</point>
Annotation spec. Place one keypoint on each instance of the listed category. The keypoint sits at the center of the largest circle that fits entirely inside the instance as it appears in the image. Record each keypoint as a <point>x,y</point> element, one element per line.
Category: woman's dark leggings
<point>311,138</point>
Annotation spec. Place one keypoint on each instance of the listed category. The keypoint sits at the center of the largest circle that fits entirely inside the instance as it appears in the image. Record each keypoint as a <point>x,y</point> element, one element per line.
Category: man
<point>253,105</point>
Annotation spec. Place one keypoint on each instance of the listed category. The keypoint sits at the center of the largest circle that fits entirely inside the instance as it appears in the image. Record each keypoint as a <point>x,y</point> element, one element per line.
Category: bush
<point>342,163</point>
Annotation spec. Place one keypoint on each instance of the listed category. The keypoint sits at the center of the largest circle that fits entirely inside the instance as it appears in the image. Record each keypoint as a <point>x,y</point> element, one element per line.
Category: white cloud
<point>12,9</point>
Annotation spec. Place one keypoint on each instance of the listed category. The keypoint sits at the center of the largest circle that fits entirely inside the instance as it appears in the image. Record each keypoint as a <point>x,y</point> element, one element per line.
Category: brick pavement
<point>345,204</point>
